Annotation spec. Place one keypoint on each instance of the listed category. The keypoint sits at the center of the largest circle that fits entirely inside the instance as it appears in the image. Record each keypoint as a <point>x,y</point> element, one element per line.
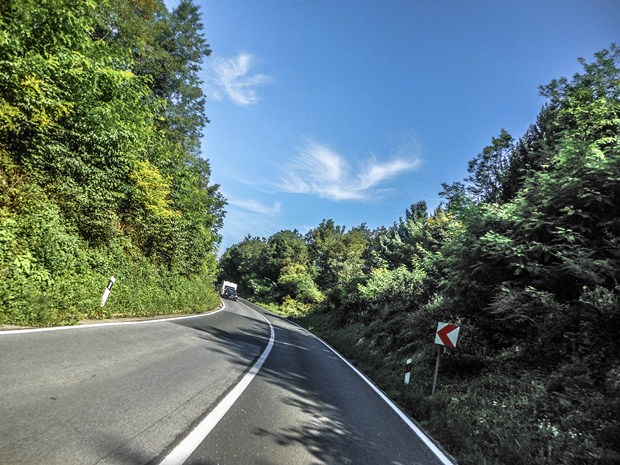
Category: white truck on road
<point>228,290</point>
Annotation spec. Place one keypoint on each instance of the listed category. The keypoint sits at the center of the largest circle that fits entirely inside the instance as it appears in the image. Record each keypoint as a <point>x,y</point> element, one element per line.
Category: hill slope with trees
<point>101,113</point>
<point>524,256</point>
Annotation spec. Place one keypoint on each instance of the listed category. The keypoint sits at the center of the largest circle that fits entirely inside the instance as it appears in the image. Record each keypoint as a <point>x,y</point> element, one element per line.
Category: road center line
<point>188,445</point>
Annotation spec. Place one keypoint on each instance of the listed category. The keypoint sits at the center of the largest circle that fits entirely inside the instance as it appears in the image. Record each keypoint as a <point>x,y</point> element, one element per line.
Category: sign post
<point>446,335</point>
<point>436,370</point>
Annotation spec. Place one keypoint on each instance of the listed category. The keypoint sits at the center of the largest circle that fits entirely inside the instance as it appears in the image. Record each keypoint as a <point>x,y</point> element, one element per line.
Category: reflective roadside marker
<point>408,371</point>
<point>107,291</point>
<point>447,334</point>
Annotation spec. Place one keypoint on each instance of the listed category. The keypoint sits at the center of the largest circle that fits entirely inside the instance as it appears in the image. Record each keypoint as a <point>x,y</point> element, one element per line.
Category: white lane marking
<point>430,444</point>
<point>425,439</point>
<point>99,325</point>
<point>188,445</point>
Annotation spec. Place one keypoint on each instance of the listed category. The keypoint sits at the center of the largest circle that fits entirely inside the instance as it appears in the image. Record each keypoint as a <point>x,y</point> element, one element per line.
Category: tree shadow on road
<point>326,421</point>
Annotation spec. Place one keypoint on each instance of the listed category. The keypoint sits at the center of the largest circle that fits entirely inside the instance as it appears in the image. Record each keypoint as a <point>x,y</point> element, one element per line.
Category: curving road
<point>131,393</point>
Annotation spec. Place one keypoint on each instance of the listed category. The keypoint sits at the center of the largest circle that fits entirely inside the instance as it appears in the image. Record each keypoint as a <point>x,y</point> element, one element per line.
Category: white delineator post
<point>107,291</point>
<point>408,371</point>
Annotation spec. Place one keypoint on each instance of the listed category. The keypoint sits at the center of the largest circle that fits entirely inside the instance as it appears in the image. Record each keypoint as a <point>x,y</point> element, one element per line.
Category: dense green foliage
<point>101,113</point>
<point>524,256</point>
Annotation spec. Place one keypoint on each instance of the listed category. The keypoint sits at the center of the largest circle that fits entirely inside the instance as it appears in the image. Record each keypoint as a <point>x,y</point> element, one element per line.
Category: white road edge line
<point>99,325</point>
<point>425,439</point>
<point>188,445</point>
<point>430,444</point>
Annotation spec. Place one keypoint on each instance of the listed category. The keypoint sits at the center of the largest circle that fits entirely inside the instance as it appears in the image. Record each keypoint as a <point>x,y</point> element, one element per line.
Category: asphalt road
<point>129,394</point>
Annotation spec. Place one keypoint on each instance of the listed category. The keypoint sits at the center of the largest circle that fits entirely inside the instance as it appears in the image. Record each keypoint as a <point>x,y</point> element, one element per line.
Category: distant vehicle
<point>228,290</point>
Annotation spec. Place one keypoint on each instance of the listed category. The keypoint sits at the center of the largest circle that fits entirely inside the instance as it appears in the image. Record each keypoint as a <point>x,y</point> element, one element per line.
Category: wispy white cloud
<point>255,206</point>
<point>378,172</point>
<point>232,78</point>
<point>319,170</point>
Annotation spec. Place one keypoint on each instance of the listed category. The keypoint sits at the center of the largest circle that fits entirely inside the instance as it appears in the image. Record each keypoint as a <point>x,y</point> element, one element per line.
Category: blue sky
<point>354,110</point>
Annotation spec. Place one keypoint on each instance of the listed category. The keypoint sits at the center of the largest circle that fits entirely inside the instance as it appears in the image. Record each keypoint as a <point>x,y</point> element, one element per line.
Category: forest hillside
<point>101,113</point>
